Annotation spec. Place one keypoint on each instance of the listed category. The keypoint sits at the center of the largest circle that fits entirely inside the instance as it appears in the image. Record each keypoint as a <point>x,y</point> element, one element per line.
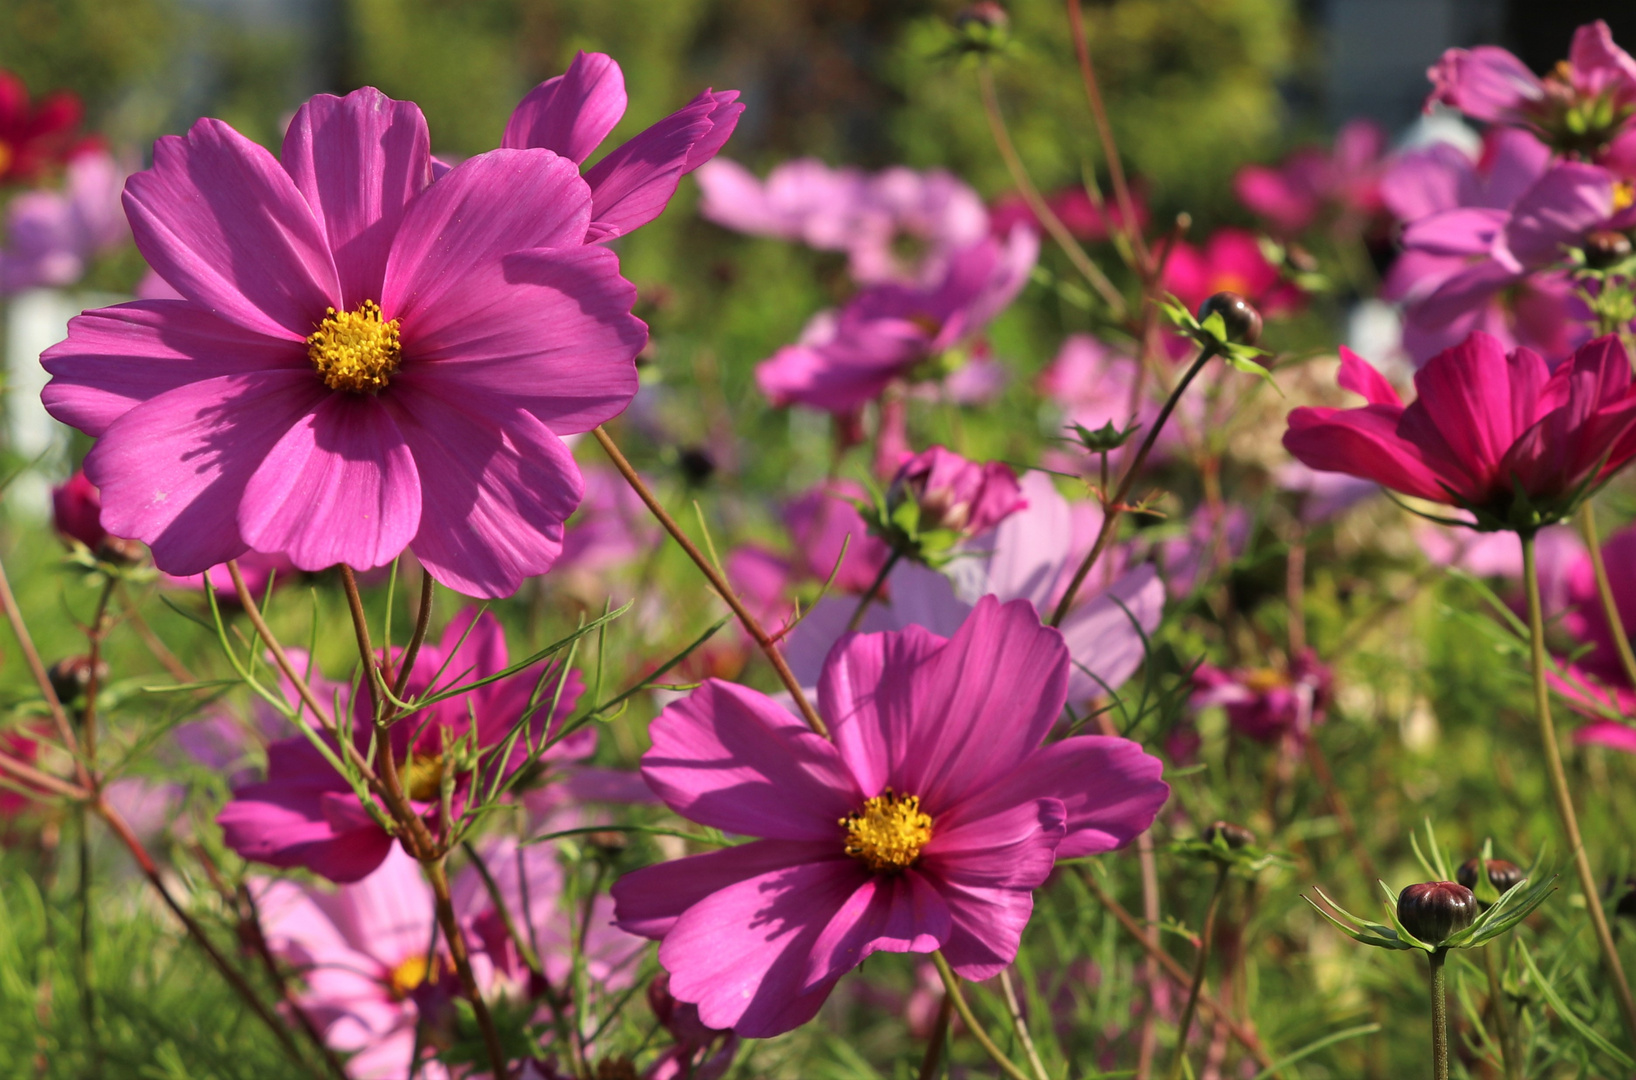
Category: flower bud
<point>955,494</point>
<point>1242,320</point>
<point>1234,836</point>
<point>71,675</point>
<point>1605,248</point>
<point>76,510</point>
<point>986,15</point>
<point>1436,910</point>
<point>1501,874</point>
<point>697,466</point>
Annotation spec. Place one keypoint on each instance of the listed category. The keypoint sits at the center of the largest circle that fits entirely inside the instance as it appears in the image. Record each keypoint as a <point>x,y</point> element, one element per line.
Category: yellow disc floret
<point>355,350</point>
<point>423,776</point>
<point>888,832</point>
<point>407,977</point>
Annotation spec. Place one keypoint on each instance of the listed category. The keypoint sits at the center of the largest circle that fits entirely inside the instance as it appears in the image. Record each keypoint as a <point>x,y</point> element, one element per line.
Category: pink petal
<point>867,698</point>
<point>1486,83</point>
<point>495,490</point>
<point>729,757</point>
<point>340,487</point>
<point>1465,230</point>
<point>572,113</point>
<point>1361,442</point>
<point>1607,733</point>
<point>1359,376</point>
<point>743,954</point>
<point>1110,789</point>
<point>549,331</point>
<point>221,222</point>
<point>1599,65</point>
<point>358,160</point>
<point>1104,637</point>
<point>889,913</point>
<point>633,184</point>
<point>173,470</point>
<point>651,899</point>
<point>486,208</point>
<point>1566,203</point>
<point>1426,181</point>
<point>1474,401</point>
<point>118,357</point>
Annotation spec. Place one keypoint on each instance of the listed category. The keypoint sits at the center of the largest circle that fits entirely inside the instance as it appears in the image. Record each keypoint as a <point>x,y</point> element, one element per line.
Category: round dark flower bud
<point>1625,893</point>
<point>608,841</point>
<point>1501,874</point>
<point>1435,911</point>
<point>987,15</point>
<point>1605,248</point>
<point>1235,836</point>
<point>616,1068</point>
<point>697,465</point>
<point>71,675</point>
<point>1242,320</point>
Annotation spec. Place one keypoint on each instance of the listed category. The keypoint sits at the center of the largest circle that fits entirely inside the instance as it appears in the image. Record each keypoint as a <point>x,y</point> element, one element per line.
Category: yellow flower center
<point>407,976</point>
<point>355,350</point>
<point>1624,194</point>
<point>1263,680</point>
<point>424,776</point>
<point>888,832</point>
<point>5,157</point>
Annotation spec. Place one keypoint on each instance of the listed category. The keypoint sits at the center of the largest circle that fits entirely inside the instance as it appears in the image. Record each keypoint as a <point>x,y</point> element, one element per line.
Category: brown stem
<point>1604,591</point>
<point>423,619</point>
<point>1104,133</point>
<point>32,777</point>
<point>366,651</point>
<point>1295,588</point>
<point>1185,1024</point>
<point>42,679</point>
<point>436,873</point>
<point>1020,1026</point>
<point>1244,1035</point>
<point>1349,828</point>
<point>751,626</point>
<point>178,670</point>
<point>872,592</point>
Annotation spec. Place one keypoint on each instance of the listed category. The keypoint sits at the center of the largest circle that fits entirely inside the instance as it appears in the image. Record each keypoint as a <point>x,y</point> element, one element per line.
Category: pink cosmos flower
<point>365,361</point>
<point>926,824</point>
<point>572,113</point>
<point>823,522</point>
<point>884,332</point>
<point>306,814</point>
<point>955,494</point>
<point>1096,384</point>
<point>1583,105</point>
<point>53,236</point>
<point>1230,261</point>
<point>361,953</point>
<point>258,570</point>
<point>1345,181</point>
<point>1074,208</point>
<point>1487,428</point>
<point>1269,704</point>
<point>611,527</point>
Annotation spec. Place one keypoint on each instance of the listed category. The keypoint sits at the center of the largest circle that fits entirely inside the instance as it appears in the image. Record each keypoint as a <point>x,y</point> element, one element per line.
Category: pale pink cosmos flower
<point>926,824</point>
<point>306,814</point>
<point>631,185</point>
<point>364,361</point>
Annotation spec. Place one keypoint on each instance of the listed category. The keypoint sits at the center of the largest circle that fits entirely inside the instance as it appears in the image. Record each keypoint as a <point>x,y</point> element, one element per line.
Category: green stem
<point>1112,508</point>
<point>931,1064</point>
<point>1604,592</point>
<point>1439,1016</point>
<point>1509,1056</point>
<point>1186,1022</point>
<point>869,596</point>
<point>1564,798</point>
<point>1020,1026</point>
<point>951,984</point>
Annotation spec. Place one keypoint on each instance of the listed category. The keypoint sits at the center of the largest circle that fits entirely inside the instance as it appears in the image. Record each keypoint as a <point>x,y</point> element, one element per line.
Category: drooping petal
<point>495,490</point>
<point>889,913</point>
<point>1464,230</point>
<point>651,899</point>
<point>549,331</point>
<point>358,161</point>
<point>221,222</point>
<point>634,183</point>
<point>115,358</point>
<point>486,208</point>
<point>867,698</point>
<point>1486,83</point>
<point>339,487</point>
<point>173,470</point>
<point>1362,442</point>
<point>572,113</point>
<point>729,757</point>
<point>1359,376</point>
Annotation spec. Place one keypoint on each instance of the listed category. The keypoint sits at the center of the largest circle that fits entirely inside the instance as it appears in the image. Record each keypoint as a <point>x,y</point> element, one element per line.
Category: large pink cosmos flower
<point>631,185</point>
<point>884,332</point>
<point>1500,435</point>
<point>306,814</point>
<point>364,361</point>
<point>926,824</point>
<point>1345,181</point>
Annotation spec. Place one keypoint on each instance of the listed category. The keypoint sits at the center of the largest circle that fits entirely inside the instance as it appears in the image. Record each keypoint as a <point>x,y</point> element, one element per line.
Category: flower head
<point>1230,261</point>
<point>926,824</point>
<point>35,138</point>
<point>953,494</point>
<point>52,236</point>
<point>1344,181</point>
<point>1499,435</point>
<point>364,361</point>
<point>1269,704</point>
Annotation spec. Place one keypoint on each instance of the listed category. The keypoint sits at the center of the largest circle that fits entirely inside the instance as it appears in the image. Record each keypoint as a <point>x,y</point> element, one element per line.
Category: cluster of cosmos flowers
<point>351,353</point>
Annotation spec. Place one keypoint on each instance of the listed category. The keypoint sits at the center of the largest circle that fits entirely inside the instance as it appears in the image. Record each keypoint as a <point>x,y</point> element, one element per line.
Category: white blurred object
<point>1374,330</point>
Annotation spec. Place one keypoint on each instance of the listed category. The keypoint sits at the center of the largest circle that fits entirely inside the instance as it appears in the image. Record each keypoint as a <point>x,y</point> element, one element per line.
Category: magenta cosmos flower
<point>1272,703</point>
<point>364,361</point>
<point>952,493</point>
<point>632,184</point>
<point>1230,261</point>
<point>306,814</point>
<point>1344,181</point>
<point>1500,435</point>
<point>926,824</point>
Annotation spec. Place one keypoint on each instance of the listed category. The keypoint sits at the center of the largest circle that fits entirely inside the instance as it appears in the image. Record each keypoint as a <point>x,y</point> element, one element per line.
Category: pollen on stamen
<point>888,832</point>
<point>355,350</point>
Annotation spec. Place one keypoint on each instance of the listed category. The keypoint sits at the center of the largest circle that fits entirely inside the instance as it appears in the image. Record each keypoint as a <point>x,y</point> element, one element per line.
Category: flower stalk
<point>1604,591</point>
<point>951,985</point>
<point>872,592</point>
<point>1439,1014</point>
<point>1197,982</point>
<point>1563,796</point>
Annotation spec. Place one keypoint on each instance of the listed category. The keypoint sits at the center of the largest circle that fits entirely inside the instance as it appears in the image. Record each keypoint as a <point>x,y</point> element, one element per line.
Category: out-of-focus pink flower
<point>1073,207</point>
<point>51,237</point>
<point>1269,704</point>
<point>572,113</point>
<point>1214,537</point>
<point>366,361</point>
<point>1230,261</point>
<point>1323,495</point>
<point>1588,623</point>
<point>1581,106</point>
<point>76,510</point>
<point>1344,181</point>
<point>257,569</point>
<point>35,138</point>
<point>1487,427</point>
<point>824,520</point>
<point>691,1039</point>
<point>955,494</point>
<point>361,953</point>
<point>611,527</point>
<point>306,814</point>
<point>886,331</point>
<point>873,218</point>
<point>952,814</point>
<point>1097,384</point>
<point>19,746</point>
